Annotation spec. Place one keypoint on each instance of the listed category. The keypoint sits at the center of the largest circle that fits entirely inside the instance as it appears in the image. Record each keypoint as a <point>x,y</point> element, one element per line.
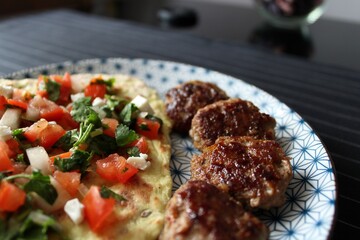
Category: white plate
<point>310,207</point>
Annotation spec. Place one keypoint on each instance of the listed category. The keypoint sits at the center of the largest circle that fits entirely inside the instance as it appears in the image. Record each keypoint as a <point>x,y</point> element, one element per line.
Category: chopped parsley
<point>124,135</point>
<point>39,184</point>
<point>52,88</point>
<point>133,151</point>
<point>83,113</point>
<point>79,160</point>
<point>127,115</point>
<point>108,193</point>
<point>28,224</point>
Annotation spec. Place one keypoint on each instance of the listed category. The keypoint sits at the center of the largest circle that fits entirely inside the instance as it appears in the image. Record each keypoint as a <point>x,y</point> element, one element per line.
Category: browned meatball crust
<point>233,117</point>
<point>183,101</point>
<point>254,172</point>
<point>199,210</point>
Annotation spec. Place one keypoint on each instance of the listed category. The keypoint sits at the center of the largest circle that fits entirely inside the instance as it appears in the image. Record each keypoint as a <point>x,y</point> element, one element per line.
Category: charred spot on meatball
<point>233,117</point>
<point>183,101</point>
<point>199,210</point>
<point>254,172</point>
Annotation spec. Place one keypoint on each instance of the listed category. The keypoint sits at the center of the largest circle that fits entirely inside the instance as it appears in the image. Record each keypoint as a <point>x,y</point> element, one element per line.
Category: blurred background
<point>229,20</point>
<point>346,10</point>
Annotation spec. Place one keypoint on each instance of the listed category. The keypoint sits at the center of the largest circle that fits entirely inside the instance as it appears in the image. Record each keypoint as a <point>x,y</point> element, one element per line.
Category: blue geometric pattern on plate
<point>310,207</point>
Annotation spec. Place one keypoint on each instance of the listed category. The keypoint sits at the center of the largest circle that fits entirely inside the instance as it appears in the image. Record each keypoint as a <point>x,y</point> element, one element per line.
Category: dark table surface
<point>326,96</point>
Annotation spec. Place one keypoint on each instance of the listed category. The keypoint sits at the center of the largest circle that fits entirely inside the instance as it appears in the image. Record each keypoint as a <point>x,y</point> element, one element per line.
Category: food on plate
<point>183,101</point>
<point>254,172</point>
<point>199,210</point>
<point>232,117</point>
<point>83,157</point>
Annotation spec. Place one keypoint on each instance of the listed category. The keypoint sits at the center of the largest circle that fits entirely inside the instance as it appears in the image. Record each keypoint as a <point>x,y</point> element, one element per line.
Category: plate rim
<point>105,60</point>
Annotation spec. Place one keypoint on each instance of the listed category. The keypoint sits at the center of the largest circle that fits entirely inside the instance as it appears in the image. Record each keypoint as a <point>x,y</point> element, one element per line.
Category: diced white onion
<point>32,114</point>
<point>139,162</point>
<point>6,91</point>
<point>75,210</point>
<point>39,159</point>
<point>62,198</point>
<point>79,82</point>
<point>5,133</point>
<point>143,104</point>
<point>98,102</point>
<point>99,111</point>
<point>77,96</point>
<point>143,114</point>
<point>11,118</point>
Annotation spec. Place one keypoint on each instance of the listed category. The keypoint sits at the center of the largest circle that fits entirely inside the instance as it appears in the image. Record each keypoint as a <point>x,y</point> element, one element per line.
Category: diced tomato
<point>148,128</point>
<point>110,127</point>
<point>114,168</point>
<point>126,173</point>
<point>54,114</point>
<point>70,181</point>
<point>41,87</point>
<point>97,210</point>
<point>11,197</point>
<point>67,80</point>
<point>33,132</point>
<point>3,102</point>
<point>21,94</point>
<point>14,147</point>
<point>95,90</point>
<point>67,122</point>
<point>5,162</point>
<point>140,143</point>
<point>18,103</point>
<point>46,134</point>
<point>61,155</point>
<point>65,88</point>
<point>50,135</point>
<point>108,168</point>
<point>48,109</point>
<point>42,93</point>
<point>64,97</point>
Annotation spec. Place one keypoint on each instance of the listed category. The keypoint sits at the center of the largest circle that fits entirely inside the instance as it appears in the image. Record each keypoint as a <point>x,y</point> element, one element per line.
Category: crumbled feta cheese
<point>77,96</point>
<point>139,162</point>
<point>6,91</point>
<point>5,133</point>
<point>75,210</point>
<point>142,104</point>
<point>98,102</point>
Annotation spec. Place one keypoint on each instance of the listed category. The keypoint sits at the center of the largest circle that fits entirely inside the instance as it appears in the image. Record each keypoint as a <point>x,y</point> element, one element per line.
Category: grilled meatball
<point>233,117</point>
<point>183,101</point>
<point>254,172</point>
<point>199,210</point>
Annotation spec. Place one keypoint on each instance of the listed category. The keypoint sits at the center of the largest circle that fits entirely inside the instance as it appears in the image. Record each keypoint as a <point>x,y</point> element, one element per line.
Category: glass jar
<point>290,13</point>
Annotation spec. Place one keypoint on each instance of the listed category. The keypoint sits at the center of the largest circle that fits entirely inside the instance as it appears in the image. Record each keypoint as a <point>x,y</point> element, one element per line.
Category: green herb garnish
<point>52,88</point>
<point>128,113</point>
<point>108,193</point>
<point>79,160</point>
<point>124,135</point>
<point>39,184</point>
